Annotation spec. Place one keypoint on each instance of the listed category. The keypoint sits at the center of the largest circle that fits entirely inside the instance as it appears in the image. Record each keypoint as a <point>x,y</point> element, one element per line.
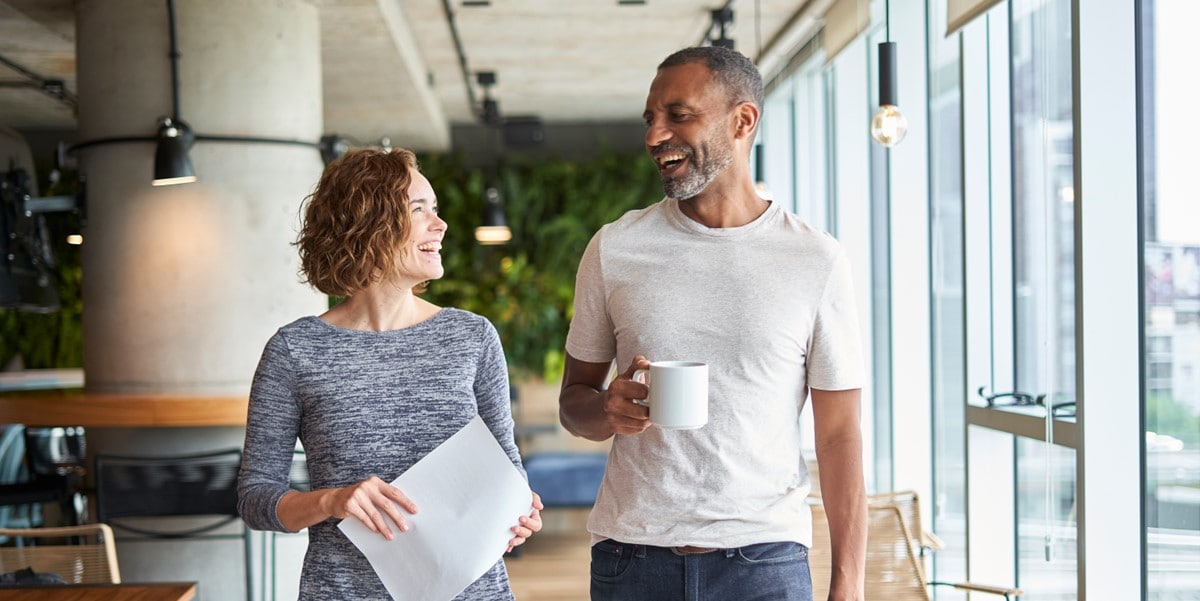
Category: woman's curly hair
<point>356,220</point>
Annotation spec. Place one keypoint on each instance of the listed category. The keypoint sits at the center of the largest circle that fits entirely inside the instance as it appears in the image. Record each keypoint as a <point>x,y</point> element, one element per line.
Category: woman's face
<point>421,258</point>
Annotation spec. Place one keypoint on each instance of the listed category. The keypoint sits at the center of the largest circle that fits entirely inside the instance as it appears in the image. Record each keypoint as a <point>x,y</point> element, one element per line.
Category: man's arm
<point>839,445</point>
<point>590,410</point>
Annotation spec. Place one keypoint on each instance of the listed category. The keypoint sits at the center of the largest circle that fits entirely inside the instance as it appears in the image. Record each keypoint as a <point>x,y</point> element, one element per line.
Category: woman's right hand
<point>368,501</point>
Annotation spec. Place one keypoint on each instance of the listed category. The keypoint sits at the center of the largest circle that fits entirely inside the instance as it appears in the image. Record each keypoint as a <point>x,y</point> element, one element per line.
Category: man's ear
<point>746,116</point>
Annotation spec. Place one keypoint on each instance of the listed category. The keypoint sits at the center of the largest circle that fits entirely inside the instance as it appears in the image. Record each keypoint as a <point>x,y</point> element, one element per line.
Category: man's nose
<point>656,134</point>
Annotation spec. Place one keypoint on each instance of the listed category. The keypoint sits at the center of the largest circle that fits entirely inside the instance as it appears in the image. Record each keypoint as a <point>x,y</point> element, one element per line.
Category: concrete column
<point>184,284</point>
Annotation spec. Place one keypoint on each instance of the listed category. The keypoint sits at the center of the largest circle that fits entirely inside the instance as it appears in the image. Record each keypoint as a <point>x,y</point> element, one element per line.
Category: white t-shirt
<point>770,307</point>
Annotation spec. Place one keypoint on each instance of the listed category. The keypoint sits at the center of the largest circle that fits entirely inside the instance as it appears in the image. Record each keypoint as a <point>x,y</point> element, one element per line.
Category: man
<point>714,273</point>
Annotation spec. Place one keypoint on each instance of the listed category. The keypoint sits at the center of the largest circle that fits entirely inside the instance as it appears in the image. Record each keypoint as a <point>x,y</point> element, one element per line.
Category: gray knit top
<point>367,403</point>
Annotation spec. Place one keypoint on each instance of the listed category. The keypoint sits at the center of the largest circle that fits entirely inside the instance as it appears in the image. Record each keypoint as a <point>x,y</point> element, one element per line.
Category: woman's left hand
<point>528,524</point>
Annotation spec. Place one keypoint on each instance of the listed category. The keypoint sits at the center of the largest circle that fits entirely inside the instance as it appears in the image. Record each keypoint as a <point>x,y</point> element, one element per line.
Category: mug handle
<point>641,376</point>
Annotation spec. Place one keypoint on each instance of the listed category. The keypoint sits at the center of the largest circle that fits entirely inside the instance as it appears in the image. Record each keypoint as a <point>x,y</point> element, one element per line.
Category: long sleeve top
<point>361,404</point>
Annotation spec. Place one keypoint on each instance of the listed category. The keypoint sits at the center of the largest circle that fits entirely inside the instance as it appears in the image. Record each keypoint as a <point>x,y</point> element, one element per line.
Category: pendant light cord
<point>174,62</point>
<point>887,22</point>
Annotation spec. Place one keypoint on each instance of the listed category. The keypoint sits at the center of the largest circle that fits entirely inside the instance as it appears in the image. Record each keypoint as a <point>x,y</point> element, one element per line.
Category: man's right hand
<point>592,410</point>
<point>621,411</point>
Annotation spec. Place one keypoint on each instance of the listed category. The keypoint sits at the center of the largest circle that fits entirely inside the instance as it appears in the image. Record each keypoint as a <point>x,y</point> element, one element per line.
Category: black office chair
<point>50,470</point>
<point>142,498</point>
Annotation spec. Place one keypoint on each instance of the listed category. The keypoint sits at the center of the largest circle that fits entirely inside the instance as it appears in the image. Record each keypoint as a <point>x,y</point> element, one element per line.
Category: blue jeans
<point>762,572</point>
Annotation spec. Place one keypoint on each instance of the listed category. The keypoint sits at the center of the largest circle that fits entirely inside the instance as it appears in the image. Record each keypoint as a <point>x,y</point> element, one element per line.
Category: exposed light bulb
<point>888,126</point>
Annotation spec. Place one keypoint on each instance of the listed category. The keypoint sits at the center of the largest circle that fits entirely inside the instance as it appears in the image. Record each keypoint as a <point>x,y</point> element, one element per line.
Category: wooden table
<point>79,408</point>
<point>156,591</point>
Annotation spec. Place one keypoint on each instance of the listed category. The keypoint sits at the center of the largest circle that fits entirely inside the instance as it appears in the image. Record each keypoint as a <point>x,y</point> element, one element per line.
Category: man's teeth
<point>670,158</point>
<point>430,246</point>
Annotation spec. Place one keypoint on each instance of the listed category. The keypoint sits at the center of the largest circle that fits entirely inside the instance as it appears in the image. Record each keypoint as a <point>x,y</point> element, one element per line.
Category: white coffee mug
<point>678,393</point>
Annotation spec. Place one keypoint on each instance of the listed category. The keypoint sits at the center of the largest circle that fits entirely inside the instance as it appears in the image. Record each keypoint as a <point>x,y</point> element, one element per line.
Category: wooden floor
<point>553,564</point>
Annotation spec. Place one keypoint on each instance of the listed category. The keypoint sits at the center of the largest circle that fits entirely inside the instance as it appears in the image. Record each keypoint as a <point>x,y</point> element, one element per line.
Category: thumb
<point>639,362</point>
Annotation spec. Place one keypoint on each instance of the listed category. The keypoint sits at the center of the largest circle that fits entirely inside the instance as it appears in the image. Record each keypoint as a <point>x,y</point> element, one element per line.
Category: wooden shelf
<point>80,408</point>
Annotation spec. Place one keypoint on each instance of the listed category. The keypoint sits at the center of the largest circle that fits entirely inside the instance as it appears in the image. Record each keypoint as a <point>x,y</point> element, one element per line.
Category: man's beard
<point>699,174</point>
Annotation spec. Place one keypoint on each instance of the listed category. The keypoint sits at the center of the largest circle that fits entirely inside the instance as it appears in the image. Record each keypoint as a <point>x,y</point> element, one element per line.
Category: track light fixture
<point>494,229</point>
<point>171,162</point>
<point>489,108</point>
<point>721,18</point>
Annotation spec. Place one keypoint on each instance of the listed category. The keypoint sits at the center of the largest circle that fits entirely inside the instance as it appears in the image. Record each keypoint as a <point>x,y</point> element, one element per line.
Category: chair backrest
<point>909,504</point>
<point>298,478</point>
<point>154,487</point>
<point>893,569</point>
<point>84,554</point>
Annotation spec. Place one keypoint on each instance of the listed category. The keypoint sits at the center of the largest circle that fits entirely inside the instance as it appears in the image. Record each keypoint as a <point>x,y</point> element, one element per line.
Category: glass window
<point>1044,286</point>
<point>1171,256</point>
<point>947,298</point>
<point>1043,198</point>
<point>1046,526</point>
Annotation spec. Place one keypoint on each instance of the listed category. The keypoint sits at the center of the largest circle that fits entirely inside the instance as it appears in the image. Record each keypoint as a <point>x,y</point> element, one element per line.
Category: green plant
<point>527,287</point>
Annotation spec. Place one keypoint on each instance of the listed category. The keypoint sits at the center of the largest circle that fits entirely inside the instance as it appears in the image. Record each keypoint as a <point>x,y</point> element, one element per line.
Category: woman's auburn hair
<point>356,220</point>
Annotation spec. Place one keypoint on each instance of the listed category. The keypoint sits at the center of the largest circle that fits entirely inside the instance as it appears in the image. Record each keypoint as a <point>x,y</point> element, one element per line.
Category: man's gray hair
<point>739,76</point>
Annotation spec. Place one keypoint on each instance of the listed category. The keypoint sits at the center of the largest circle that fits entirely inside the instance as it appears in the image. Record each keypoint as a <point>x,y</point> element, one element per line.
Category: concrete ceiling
<point>393,68</point>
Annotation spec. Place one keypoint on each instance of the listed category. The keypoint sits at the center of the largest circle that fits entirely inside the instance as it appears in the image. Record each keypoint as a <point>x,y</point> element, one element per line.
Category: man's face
<point>689,125</point>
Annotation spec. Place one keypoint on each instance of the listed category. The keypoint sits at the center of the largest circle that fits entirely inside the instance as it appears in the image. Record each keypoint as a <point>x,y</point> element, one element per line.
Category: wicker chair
<point>84,554</point>
<point>894,570</point>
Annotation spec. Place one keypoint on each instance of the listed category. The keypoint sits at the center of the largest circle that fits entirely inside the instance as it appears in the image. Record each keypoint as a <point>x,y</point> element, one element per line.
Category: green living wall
<point>524,287</point>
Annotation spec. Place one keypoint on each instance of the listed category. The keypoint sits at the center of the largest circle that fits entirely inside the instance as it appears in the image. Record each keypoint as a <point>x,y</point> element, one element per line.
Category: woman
<point>372,385</point>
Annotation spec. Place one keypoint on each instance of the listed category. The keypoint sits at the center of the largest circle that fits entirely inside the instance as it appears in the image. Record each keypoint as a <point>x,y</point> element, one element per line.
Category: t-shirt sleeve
<point>590,337</point>
<point>835,359</point>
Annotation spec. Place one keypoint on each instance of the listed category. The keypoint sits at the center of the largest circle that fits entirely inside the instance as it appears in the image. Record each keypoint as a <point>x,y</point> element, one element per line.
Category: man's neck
<point>724,208</point>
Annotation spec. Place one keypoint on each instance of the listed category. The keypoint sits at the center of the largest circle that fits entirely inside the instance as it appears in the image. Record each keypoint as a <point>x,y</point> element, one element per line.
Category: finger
<point>625,424</point>
<point>621,399</point>
<point>537,502</point>
<point>399,497</point>
<point>397,518</point>
<point>639,362</point>
<point>384,528</point>
<point>533,522</point>
<point>372,520</point>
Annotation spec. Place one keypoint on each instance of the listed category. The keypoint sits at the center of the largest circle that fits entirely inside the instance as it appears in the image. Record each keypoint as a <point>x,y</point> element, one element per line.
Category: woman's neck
<point>380,308</point>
